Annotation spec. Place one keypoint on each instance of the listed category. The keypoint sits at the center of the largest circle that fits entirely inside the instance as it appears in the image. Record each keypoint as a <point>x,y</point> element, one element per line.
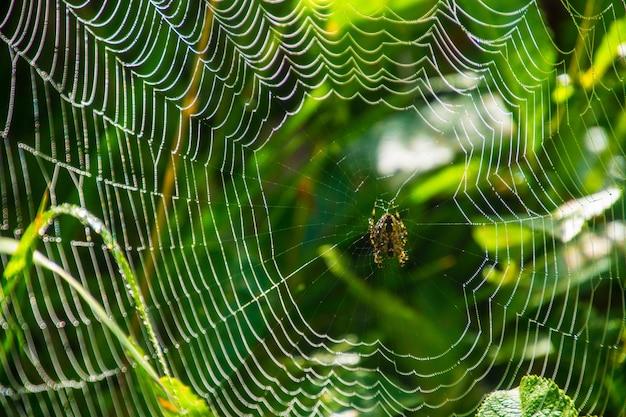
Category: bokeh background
<point>236,151</point>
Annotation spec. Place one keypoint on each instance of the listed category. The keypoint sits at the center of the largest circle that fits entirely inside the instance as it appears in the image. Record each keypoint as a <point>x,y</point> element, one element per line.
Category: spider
<point>388,237</point>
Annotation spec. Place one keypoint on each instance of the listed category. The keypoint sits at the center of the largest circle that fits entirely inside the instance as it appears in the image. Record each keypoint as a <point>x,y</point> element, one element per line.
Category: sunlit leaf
<point>181,401</point>
<point>501,404</point>
<point>536,396</point>
<point>528,93</point>
<point>542,397</point>
<point>613,44</point>
<point>497,237</point>
<point>445,182</point>
<point>563,90</point>
<point>569,219</point>
<point>505,275</point>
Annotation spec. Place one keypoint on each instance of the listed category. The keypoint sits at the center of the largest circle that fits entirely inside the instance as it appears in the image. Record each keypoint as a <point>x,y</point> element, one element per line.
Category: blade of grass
<point>22,259</point>
<point>11,247</point>
<point>174,398</point>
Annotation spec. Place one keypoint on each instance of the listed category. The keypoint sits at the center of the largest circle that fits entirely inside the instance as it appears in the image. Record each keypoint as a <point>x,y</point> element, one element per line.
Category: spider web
<point>199,133</point>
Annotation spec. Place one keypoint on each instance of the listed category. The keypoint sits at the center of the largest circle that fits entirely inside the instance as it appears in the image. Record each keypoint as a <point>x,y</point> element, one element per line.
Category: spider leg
<point>377,259</point>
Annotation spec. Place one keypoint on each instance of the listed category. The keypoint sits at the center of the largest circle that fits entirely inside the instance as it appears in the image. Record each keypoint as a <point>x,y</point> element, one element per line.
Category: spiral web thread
<point>157,117</point>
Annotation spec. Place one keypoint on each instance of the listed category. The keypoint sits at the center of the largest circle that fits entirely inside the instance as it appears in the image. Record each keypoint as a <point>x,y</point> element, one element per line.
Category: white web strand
<point>122,92</point>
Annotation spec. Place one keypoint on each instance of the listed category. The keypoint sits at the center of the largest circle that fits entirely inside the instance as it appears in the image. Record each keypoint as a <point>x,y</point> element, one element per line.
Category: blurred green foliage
<point>500,283</point>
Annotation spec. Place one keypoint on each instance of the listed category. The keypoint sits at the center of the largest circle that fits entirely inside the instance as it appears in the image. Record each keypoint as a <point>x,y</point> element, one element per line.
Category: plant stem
<point>10,246</point>
<point>34,231</point>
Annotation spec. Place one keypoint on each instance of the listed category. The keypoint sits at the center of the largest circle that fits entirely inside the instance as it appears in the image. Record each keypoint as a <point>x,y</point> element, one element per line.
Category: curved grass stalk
<point>23,257</point>
<point>177,400</point>
<point>11,247</point>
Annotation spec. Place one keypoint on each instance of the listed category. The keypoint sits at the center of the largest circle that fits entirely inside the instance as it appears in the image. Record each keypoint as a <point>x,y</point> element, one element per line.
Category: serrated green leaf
<point>542,397</point>
<point>536,396</point>
<point>500,404</point>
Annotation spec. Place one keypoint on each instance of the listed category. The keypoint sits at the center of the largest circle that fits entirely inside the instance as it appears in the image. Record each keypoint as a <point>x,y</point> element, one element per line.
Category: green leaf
<point>562,92</point>
<point>393,311</point>
<point>536,396</point>
<point>497,237</point>
<point>384,302</point>
<point>345,14</point>
<point>23,256</point>
<point>501,404</point>
<point>511,48</point>
<point>507,274</point>
<point>542,397</point>
<point>181,401</point>
<point>534,348</point>
<point>569,219</point>
<point>445,182</point>
<point>612,45</point>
